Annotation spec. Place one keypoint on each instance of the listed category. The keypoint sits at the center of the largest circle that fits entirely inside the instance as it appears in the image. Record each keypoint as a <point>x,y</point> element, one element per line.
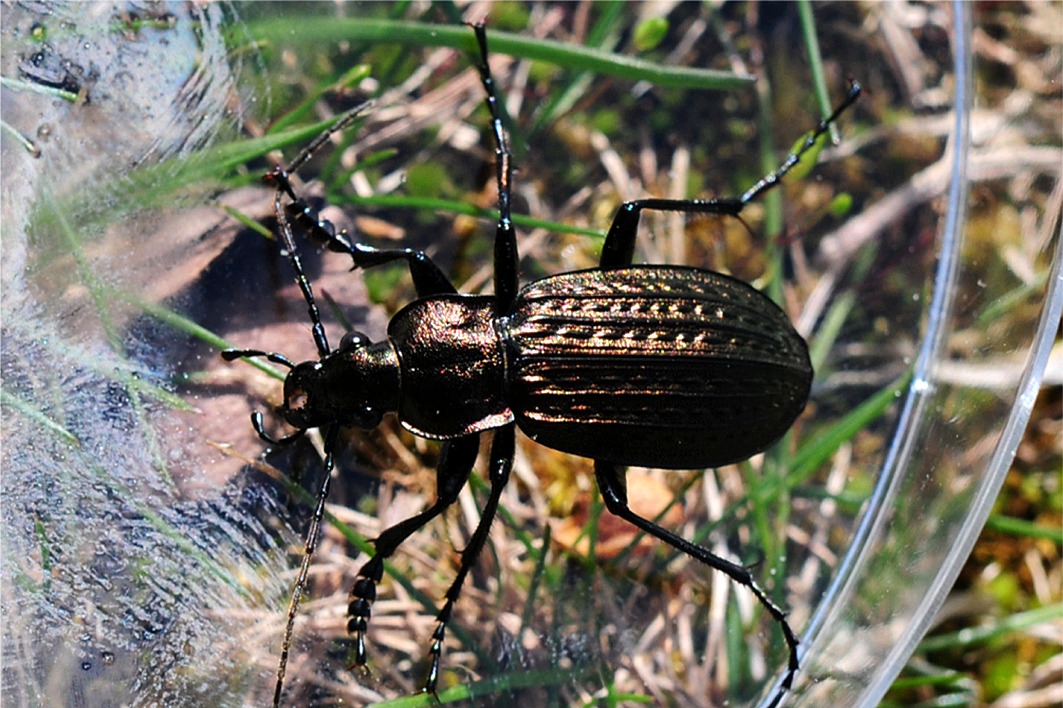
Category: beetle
<point>630,365</point>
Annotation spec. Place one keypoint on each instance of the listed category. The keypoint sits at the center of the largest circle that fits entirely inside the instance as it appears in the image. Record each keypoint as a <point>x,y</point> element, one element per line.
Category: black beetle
<point>651,365</point>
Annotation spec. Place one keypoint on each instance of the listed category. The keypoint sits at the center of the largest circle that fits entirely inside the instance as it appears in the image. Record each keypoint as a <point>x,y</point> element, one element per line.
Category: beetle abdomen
<point>654,365</point>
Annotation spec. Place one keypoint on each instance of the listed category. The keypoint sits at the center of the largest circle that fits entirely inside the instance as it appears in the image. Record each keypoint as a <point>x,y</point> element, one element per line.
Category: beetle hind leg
<point>613,487</point>
<point>619,248</point>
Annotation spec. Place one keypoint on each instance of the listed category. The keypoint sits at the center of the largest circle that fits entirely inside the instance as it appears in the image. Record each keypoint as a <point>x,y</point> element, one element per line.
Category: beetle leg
<point>506,255</point>
<point>455,463</point>
<point>619,248</point>
<point>502,448</point>
<point>428,279</point>
<point>613,487</point>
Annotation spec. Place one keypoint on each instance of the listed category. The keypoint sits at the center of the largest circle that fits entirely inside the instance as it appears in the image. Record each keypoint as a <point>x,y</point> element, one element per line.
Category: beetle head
<point>310,401</point>
<point>340,388</point>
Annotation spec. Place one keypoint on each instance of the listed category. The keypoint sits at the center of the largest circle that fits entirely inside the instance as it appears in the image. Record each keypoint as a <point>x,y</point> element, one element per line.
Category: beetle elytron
<point>649,365</point>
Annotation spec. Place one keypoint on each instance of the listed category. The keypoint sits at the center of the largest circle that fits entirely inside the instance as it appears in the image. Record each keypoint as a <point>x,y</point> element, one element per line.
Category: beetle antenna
<point>288,244</point>
<point>274,357</point>
<point>313,534</point>
<point>260,428</point>
<point>279,178</point>
<point>315,144</point>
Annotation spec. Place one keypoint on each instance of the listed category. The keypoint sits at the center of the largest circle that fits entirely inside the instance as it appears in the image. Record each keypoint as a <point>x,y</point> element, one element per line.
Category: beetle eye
<point>297,400</point>
<point>354,340</point>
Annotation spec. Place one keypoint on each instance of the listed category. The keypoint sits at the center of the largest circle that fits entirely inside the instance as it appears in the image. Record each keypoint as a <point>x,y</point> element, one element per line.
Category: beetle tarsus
<point>435,651</point>
<point>613,488</point>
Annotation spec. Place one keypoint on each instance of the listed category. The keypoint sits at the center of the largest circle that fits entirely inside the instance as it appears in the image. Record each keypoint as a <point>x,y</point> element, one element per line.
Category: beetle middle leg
<point>506,283</point>
<point>428,279</point>
<point>505,249</point>
<point>454,467</point>
<point>613,487</point>
<point>458,455</point>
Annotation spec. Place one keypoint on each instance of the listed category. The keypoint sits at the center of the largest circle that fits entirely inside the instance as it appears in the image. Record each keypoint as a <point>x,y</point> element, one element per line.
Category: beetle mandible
<point>631,365</point>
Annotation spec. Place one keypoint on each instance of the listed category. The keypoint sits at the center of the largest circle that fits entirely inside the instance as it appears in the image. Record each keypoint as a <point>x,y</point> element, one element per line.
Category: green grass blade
<point>319,30</point>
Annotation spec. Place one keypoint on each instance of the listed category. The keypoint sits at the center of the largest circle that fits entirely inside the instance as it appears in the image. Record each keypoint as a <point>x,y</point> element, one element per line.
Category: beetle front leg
<point>502,449</point>
<point>613,487</point>
<point>455,464</point>
<point>428,279</point>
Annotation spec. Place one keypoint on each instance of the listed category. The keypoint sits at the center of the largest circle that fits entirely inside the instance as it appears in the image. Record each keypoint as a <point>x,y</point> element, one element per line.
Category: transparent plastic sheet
<point>116,539</point>
<point>948,459</point>
<point>142,565</point>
